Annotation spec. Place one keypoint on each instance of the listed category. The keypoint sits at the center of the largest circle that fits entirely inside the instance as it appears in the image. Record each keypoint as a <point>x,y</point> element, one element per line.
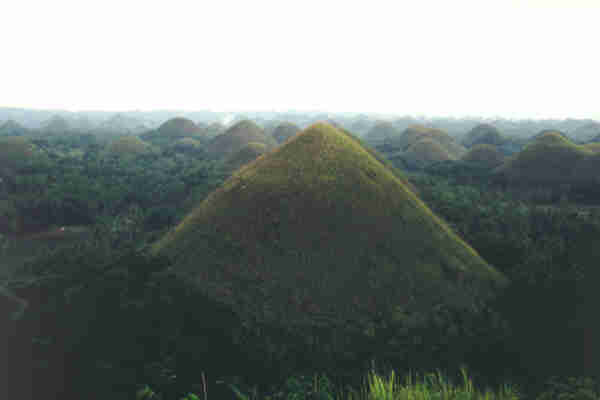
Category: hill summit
<point>319,229</point>
<point>483,134</point>
<point>551,159</point>
<point>237,137</point>
<point>416,133</point>
<point>179,127</point>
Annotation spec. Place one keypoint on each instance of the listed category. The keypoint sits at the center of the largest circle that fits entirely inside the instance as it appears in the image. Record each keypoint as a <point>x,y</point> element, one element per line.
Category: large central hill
<point>319,229</point>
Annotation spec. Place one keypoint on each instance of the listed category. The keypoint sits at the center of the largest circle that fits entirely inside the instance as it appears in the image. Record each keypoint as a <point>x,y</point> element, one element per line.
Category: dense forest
<point>94,308</point>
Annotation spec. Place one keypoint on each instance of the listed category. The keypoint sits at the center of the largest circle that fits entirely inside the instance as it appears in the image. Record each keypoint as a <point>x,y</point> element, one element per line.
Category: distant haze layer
<point>515,59</point>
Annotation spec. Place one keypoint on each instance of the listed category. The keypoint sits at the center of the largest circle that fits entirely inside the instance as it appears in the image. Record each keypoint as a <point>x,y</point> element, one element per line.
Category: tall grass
<point>432,386</point>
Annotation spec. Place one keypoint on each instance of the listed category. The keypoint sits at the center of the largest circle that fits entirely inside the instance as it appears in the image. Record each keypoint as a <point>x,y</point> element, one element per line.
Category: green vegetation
<point>374,387</point>
<point>318,234</point>
<point>17,152</point>
<point>187,144</point>
<point>128,146</point>
<point>105,314</point>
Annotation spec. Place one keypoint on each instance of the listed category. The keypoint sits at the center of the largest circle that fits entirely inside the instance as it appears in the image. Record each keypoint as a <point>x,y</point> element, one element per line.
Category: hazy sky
<point>508,58</point>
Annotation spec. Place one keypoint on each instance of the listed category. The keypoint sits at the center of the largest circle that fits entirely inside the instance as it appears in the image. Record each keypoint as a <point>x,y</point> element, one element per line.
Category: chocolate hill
<point>424,153</point>
<point>552,159</point>
<point>284,131</point>
<point>175,128</point>
<point>416,133</point>
<point>178,128</point>
<point>483,134</point>
<point>236,137</point>
<point>318,231</point>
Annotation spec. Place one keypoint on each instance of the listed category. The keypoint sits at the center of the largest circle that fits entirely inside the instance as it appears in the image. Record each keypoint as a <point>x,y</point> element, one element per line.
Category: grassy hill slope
<point>425,152</point>
<point>320,230</point>
<point>244,155</point>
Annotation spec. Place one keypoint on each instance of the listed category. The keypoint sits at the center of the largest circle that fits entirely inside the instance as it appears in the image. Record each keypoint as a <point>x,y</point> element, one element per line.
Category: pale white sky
<point>510,58</point>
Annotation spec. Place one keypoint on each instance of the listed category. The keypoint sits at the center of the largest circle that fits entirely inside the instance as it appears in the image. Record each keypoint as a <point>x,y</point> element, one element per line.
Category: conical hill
<point>426,152</point>
<point>179,127</point>
<point>416,133</point>
<point>238,136</point>
<point>320,230</point>
<point>549,159</point>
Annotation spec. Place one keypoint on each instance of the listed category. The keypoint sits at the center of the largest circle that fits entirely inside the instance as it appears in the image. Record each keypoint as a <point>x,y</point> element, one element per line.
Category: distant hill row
<point>135,122</point>
<point>547,157</point>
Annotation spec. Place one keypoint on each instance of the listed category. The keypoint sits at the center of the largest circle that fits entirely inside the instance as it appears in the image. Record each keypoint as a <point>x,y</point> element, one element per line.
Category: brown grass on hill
<point>321,221</point>
<point>551,159</point>
<point>238,136</point>
<point>179,127</point>
<point>425,152</point>
<point>415,133</point>
<point>244,155</point>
